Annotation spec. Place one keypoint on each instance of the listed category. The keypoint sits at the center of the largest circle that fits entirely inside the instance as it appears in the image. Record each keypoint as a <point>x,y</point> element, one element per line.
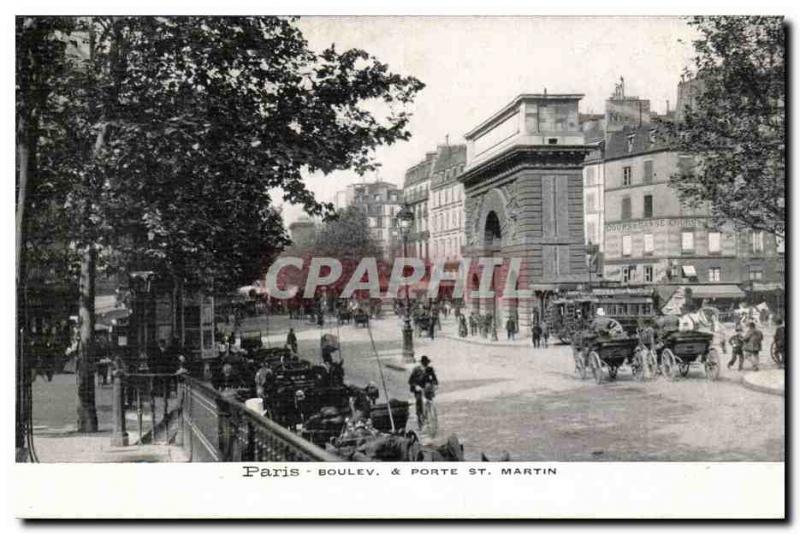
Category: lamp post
<point>405,218</point>
<point>140,282</point>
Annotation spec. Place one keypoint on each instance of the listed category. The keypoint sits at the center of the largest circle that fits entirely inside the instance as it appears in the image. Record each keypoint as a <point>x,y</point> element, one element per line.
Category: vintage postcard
<point>534,265</point>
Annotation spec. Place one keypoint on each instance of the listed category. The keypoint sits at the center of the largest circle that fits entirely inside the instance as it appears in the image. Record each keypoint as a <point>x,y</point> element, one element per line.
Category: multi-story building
<point>593,197</point>
<point>651,237</point>
<point>415,195</point>
<point>447,203</point>
<point>379,201</point>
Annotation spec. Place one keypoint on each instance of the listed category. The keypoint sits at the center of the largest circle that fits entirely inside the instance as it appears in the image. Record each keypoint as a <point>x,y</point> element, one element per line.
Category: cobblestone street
<point>528,402</point>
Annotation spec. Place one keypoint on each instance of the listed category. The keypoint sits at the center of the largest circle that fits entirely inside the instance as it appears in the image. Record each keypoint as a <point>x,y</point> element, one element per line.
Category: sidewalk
<point>56,438</point>
<point>771,381</point>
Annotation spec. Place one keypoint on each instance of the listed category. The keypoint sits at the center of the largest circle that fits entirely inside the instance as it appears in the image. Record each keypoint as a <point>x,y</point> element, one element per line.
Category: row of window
<point>647,211</point>
<point>447,220</point>
<point>647,173</point>
<point>446,195</point>
<point>631,274</point>
<point>447,248</point>
<point>361,197</point>
<point>687,243</point>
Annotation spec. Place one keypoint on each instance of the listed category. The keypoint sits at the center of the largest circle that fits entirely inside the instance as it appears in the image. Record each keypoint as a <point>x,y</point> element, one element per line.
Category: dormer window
<point>630,143</point>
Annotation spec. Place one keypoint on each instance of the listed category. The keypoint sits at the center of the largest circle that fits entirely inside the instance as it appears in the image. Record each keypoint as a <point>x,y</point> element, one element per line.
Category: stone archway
<point>492,233</point>
<point>490,220</point>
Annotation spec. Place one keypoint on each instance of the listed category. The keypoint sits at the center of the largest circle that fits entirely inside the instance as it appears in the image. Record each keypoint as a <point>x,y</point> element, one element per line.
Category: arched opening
<point>491,233</point>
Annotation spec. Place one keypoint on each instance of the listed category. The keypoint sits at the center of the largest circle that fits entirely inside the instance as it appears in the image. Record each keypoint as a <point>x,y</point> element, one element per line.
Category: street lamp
<point>405,218</point>
<point>140,282</point>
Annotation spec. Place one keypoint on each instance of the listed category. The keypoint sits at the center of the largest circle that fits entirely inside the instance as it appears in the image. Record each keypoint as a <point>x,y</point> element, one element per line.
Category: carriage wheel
<point>777,355</point>
<point>712,365</point>
<point>651,361</point>
<point>597,367</point>
<point>580,365</point>
<point>637,365</point>
<point>669,367</point>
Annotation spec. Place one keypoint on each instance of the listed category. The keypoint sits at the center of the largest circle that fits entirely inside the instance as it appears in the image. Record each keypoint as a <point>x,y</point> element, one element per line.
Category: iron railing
<point>140,393</point>
<point>218,428</point>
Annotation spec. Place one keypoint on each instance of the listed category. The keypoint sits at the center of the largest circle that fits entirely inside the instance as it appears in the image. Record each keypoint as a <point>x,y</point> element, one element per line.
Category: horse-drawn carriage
<point>672,349</point>
<point>603,347</point>
<point>678,351</point>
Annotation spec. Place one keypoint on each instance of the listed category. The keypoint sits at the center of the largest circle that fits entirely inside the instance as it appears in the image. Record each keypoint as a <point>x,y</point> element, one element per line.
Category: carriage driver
<point>422,377</point>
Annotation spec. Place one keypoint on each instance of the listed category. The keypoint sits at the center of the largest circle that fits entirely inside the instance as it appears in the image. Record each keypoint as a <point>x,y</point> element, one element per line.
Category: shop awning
<point>689,272</point>
<point>767,286</point>
<point>716,292</point>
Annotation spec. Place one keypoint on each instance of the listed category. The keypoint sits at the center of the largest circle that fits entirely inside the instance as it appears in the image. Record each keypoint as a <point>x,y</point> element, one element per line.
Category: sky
<point>473,66</point>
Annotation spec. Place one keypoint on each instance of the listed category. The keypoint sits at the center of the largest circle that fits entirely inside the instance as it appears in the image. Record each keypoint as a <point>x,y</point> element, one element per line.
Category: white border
<point>98,490</point>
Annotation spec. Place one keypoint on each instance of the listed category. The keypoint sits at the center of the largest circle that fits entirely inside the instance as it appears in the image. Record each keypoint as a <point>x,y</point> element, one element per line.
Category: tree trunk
<point>21,371</point>
<point>87,412</point>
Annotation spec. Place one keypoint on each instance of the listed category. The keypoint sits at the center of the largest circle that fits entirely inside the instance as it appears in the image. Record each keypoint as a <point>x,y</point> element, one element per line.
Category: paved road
<point>528,403</point>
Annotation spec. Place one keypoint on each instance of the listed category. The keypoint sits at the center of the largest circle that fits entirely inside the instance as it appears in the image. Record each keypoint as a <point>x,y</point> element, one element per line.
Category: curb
<point>487,343</point>
<point>399,366</point>
<point>761,388</point>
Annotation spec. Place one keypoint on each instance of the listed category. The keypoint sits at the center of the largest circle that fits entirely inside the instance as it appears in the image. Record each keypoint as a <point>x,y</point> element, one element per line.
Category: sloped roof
<point>448,156</point>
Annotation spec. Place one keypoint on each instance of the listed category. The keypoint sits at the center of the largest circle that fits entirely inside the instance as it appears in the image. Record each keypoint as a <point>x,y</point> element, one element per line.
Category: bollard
<point>119,438</point>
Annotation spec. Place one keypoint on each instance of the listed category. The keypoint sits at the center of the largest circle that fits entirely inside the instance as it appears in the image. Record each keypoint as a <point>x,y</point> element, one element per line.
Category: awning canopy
<point>717,292</point>
<point>689,272</point>
<point>767,286</point>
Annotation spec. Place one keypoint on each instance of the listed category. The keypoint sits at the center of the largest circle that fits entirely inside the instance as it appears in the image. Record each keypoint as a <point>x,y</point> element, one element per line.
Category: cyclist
<point>421,382</point>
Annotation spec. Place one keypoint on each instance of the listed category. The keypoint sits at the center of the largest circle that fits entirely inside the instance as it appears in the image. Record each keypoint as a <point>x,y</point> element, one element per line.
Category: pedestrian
<point>473,324</point>
<point>779,338</point>
<point>432,326</point>
<point>545,334</point>
<point>736,342</point>
<point>264,379</point>
<point>511,327</point>
<point>291,340</point>
<point>752,344</point>
<point>536,335</point>
<point>462,326</point>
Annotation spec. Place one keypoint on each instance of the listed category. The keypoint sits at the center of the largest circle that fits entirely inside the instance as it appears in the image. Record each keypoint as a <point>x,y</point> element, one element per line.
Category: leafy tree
<point>736,123</point>
<point>39,66</point>
<point>347,236</point>
<point>168,133</point>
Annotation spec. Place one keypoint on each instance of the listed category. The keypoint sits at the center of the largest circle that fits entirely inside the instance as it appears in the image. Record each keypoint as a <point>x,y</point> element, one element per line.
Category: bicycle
<point>428,420</point>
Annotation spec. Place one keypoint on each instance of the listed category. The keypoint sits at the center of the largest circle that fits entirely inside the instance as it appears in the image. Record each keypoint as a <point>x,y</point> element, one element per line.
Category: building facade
<point>651,237</point>
<point>380,201</point>
<point>447,204</point>
<point>523,186</point>
<point>593,197</point>
<point>416,196</point>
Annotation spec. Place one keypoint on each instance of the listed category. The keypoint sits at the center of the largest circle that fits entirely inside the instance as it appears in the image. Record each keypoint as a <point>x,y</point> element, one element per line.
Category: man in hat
<point>737,343</point>
<point>421,377</point>
<point>752,344</point>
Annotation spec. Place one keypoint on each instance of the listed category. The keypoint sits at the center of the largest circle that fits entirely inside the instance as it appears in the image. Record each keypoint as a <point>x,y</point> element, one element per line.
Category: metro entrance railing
<point>209,425</point>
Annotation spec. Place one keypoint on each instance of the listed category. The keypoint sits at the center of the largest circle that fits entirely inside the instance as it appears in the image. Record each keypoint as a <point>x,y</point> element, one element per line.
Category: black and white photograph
<point>500,246</point>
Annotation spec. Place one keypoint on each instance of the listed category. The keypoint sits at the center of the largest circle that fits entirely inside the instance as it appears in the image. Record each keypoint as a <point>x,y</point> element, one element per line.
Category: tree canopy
<point>168,134</point>
<point>735,122</point>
